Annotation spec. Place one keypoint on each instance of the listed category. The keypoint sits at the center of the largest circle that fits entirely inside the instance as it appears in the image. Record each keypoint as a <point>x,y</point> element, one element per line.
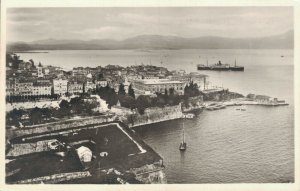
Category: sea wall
<point>192,104</point>
<point>155,115</point>
<point>150,174</point>
<point>54,126</point>
<point>55,178</point>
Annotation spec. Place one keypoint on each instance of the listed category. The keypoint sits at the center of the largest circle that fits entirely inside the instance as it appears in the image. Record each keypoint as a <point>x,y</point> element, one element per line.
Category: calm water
<point>225,146</point>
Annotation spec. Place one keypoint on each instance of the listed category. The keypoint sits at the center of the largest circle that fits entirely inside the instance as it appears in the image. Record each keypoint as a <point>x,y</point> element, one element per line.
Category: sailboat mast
<point>183,131</point>
<point>235,62</point>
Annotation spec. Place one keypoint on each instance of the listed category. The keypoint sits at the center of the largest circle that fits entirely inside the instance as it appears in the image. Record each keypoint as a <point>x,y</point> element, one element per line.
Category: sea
<point>223,146</point>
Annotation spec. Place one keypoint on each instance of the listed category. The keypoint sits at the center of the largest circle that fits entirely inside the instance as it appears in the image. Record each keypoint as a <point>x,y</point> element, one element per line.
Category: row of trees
<point>111,97</point>
<point>168,98</point>
<point>191,90</point>
<point>142,102</point>
<point>77,105</point>
<point>35,116</point>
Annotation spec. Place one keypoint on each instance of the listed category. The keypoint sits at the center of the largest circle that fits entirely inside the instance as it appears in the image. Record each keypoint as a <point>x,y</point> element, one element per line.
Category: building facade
<point>60,86</point>
<point>75,87</point>
<point>151,86</point>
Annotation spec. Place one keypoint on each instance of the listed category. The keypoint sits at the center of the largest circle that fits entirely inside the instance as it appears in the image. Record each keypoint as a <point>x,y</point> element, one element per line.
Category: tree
<point>121,90</point>
<point>90,106</point>
<point>131,91</point>
<point>64,108</point>
<point>35,115</point>
<point>191,90</point>
<point>32,62</point>
<point>112,97</point>
<point>161,102</point>
<point>14,59</point>
<point>83,88</point>
<point>100,76</point>
<point>142,103</point>
<point>171,91</point>
<point>128,102</point>
<point>76,104</point>
<point>14,116</point>
<point>46,112</point>
<point>64,104</point>
<point>166,92</point>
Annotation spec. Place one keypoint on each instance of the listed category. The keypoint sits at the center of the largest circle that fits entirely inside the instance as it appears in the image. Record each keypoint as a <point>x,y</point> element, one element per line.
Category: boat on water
<point>188,116</point>
<point>236,68</point>
<point>242,108</point>
<point>182,146</point>
<point>215,106</point>
<point>220,67</point>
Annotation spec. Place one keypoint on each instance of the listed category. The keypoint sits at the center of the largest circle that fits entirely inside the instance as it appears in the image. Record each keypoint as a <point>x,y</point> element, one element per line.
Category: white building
<point>60,86</point>
<point>150,86</point>
<point>75,87</point>
<point>23,88</point>
<point>47,71</point>
<point>89,85</point>
<point>84,154</point>
<point>101,83</point>
<point>39,89</point>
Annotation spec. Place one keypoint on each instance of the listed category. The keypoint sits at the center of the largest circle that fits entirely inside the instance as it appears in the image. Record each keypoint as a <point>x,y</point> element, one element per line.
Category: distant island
<point>281,41</point>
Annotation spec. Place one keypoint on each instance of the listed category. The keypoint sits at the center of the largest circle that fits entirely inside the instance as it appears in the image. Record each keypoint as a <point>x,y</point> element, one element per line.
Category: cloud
<point>29,24</point>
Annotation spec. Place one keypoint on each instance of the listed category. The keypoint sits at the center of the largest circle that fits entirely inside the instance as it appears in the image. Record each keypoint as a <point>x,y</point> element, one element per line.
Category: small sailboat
<point>182,146</point>
<point>243,108</point>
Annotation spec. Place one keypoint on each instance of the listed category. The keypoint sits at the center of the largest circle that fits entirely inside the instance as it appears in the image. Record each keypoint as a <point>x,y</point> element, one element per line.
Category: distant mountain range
<point>282,41</point>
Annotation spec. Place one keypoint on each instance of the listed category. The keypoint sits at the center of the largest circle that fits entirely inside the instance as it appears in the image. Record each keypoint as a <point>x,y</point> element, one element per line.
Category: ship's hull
<point>222,69</point>
<point>182,147</point>
<point>237,68</point>
<point>203,68</point>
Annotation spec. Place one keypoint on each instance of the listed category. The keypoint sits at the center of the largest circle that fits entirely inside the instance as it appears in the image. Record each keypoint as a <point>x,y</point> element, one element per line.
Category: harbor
<point>149,95</point>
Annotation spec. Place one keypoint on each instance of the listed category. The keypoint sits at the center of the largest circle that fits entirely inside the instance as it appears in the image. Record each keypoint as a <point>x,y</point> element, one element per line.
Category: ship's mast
<point>235,62</point>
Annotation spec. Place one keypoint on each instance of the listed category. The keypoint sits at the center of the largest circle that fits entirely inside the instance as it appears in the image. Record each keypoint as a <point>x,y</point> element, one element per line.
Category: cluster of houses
<point>42,81</point>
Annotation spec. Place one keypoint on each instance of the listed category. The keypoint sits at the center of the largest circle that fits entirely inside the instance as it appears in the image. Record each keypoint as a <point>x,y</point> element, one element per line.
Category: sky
<point>30,24</point>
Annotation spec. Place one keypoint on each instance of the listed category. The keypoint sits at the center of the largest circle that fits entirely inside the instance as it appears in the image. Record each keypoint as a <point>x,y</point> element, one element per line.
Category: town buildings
<point>29,79</point>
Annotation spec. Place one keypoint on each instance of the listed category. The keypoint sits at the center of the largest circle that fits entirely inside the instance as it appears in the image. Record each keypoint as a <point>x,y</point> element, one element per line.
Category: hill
<point>282,41</point>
